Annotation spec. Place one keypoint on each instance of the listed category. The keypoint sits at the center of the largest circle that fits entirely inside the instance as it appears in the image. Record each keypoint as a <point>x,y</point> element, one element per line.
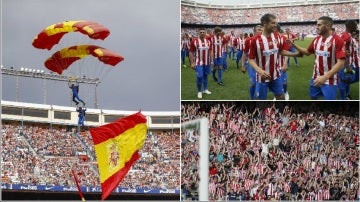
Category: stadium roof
<point>232,4</point>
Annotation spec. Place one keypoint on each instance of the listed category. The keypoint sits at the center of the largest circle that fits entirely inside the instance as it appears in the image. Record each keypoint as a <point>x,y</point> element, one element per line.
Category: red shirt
<point>265,50</point>
<point>217,45</point>
<point>327,51</point>
<point>202,50</point>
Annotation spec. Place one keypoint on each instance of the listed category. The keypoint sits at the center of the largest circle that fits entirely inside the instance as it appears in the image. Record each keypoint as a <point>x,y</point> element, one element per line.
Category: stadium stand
<point>299,11</point>
<point>41,146</point>
<point>281,151</point>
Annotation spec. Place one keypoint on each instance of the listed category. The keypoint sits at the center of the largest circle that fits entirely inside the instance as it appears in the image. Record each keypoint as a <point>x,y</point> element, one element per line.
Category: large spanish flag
<point>116,146</point>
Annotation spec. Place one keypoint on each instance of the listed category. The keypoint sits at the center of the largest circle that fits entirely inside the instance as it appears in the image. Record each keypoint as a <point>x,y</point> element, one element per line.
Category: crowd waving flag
<point>117,145</point>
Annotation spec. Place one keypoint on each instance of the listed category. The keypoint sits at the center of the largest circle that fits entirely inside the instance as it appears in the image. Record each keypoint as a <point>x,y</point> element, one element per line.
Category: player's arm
<point>192,58</point>
<point>284,67</point>
<point>192,53</point>
<point>243,57</point>
<point>290,54</point>
<point>301,50</point>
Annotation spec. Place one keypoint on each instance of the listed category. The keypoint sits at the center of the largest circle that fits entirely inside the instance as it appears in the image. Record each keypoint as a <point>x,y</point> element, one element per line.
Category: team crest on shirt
<point>326,45</point>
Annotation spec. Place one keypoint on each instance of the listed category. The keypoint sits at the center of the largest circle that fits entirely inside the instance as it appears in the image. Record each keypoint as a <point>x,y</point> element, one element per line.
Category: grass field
<point>236,84</point>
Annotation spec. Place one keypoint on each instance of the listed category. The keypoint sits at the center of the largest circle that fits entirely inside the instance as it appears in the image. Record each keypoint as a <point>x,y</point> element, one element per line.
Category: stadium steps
<point>22,137</point>
<point>89,153</point>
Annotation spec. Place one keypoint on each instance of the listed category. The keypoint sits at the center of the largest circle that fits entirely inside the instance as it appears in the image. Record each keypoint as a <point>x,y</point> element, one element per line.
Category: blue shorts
<point>275,86</point>
<point>224,57</point>
<point>218,62</point>
<point>251,73</point>
<point>356,79</point>
<point>231,49</point>
<point>329,92</point>
<point>283,77</point>
<point>202,70</point>
<point>239,54</point>
<point>346,78</point>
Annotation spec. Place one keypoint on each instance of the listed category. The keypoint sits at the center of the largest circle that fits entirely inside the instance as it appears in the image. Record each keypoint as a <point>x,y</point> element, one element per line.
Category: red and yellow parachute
<point>52,34</point>
<point>62,59</point>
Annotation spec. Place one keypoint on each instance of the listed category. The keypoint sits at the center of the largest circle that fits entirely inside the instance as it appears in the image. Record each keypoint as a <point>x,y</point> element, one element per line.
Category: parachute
<point>52,34</point>
<point>62,59</point>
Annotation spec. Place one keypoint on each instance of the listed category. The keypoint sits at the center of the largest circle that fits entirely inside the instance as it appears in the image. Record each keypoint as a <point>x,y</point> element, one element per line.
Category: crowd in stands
<point>37,155</point>
<point>308,30</point>
<point>199,15</point>
<point>278,151</point>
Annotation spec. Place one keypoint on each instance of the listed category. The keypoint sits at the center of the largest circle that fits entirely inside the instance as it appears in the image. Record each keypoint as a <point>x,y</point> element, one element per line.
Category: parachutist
<point>75,93</point>
<point>81,115</point>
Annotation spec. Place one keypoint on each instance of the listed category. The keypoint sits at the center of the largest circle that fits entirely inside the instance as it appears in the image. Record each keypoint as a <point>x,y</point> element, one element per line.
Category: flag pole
<point>78,186</point>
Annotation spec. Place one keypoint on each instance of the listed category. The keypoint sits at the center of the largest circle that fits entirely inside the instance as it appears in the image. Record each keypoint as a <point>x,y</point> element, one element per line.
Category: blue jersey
<point>75,89</point>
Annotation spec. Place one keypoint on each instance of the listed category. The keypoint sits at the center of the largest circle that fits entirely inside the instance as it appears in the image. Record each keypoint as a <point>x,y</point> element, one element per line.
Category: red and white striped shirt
<point>185,44</point>
<point>354,51</point>
<point>265,51</point>
<point>246,49</point>
<point>286,187</point>
<point>202,50</point>
<point>270,190</point>
<point>326,194</point>
<point>217,45</point>
<point>235,186</point>
<point>232,40</point>
<point>212,188</point>
<point>319,195</point>
<point>337,164</point>
<point>239,42</point>
<point>260,169</point>
<point>248,184</point>
<point>282,62</point>
<point>327,51</point>
<point>220,192</point>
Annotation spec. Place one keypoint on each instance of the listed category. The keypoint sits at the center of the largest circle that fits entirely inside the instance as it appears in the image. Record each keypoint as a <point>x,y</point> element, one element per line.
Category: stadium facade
<point>22,114</point>
<point>53,114</point>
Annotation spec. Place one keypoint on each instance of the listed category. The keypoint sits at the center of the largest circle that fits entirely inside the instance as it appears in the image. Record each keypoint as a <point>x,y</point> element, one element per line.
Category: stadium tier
<point>299,11</point>
<point>274,151</point>
<point>40,147</point>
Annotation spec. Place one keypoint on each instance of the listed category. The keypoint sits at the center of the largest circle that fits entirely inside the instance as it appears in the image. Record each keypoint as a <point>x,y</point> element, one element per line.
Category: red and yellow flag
<point>116,146</point>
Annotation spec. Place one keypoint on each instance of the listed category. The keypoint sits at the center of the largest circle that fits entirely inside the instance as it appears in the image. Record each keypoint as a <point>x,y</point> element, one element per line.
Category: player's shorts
<point>218,62</point>
<point>356,75</point>
<point>202,70</point>
<point>239,54</point>
<point>275,86</point>
<point>329,92</point>
<point>345,78</point>
<point>251,73</point>
<point>292,49</point>
<point>283,77</point>
<point>231,49</point>
<point>224,57</point>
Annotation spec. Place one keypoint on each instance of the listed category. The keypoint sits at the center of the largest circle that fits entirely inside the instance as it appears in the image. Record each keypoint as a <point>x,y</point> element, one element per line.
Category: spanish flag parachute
<point>52,34</point>
<point>62,59</point>
<point>75,40</point>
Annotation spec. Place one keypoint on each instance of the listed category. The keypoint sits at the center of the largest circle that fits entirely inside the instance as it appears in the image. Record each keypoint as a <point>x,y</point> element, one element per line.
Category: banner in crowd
<point>86,189</point>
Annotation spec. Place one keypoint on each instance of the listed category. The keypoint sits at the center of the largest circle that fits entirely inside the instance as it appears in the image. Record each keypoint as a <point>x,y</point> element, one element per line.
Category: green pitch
<point>236,83</point>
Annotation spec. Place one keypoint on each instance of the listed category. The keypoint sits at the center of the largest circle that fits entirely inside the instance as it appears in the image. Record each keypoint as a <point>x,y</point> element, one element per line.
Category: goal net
<point>196,135</point>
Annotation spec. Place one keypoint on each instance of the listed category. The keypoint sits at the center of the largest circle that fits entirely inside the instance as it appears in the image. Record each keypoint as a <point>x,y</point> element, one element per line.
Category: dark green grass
<point>237,84</point>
